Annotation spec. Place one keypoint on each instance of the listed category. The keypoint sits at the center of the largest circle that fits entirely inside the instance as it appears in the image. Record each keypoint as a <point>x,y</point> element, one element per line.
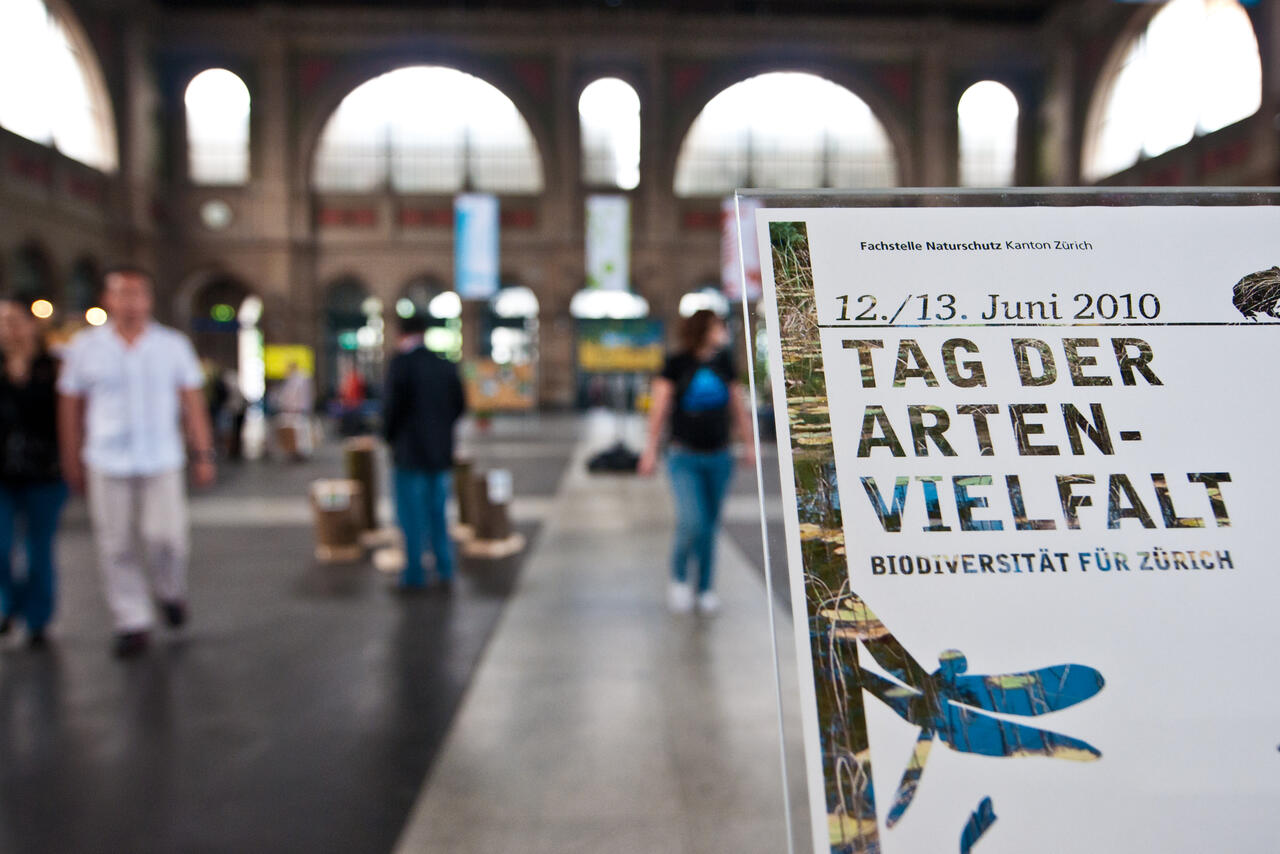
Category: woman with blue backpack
<point>697,399</point>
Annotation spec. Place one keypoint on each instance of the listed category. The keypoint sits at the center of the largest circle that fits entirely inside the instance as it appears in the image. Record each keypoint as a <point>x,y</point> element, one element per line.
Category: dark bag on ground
<point>617,459</point>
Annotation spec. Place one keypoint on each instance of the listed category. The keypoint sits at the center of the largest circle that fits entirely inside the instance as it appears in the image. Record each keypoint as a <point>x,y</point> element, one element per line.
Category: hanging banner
<point>475,245</point>
<point>1030,477</point>
<point>738,216</point>
<point>609,243</point>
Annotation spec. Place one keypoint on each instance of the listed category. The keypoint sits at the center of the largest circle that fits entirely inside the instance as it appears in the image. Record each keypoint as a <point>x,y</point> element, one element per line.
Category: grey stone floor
<point>598,721</point>
<point>299,712</point>
<point>551,705</point>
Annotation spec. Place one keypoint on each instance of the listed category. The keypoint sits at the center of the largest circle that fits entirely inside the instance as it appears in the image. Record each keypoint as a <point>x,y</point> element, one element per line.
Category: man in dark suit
<point>424,400</point>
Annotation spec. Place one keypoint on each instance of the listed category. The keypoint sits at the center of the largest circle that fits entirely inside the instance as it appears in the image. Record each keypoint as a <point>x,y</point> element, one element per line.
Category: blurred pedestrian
<point>351,400</point>
<point>32,491</point>
<point>295,401</point>
<point>237,411</point>
<point>423,402</point>
<point>128,390</point>
<point>698,399</point>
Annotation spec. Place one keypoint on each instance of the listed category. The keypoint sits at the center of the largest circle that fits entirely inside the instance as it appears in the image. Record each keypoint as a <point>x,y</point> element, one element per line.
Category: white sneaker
<point>680,597</point>
<point>708,603</point>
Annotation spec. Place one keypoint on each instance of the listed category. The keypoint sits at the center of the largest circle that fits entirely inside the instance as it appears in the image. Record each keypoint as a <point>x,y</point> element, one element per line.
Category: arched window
<point>827,137</point>
<point>1194,69</point>
<point>53,91</point>
<point>82,287</point>
<point>609,114</point>
<point>217,128</point>
<point>427,129</point>
<point>32,274</point>
<point>353,334</point>
<point>987,115</point>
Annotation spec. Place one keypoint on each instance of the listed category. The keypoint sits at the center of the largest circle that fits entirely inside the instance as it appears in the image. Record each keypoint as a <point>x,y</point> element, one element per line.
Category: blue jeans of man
<point>38,507</point>
<point>700,481</point>
<point>421,497</point>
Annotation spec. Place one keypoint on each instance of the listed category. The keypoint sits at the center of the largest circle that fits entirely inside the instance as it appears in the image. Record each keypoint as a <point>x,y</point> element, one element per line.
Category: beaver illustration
<point>1258,293</point>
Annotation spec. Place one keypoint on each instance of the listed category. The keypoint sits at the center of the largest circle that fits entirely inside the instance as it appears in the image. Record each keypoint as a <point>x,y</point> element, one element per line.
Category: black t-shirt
<point>29,424</point>
<point>700,406</point>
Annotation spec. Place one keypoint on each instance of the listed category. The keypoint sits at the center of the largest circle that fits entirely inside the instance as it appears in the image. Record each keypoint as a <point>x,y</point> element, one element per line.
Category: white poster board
<point>1029,464</point>
<point>608,249</point>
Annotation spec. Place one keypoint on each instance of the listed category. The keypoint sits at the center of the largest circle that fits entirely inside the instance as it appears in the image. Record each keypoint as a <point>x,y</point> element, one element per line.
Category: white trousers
<point>141,530</point>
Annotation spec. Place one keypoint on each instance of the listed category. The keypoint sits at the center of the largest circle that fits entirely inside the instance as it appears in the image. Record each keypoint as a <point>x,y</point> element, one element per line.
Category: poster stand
<point>843,678</point>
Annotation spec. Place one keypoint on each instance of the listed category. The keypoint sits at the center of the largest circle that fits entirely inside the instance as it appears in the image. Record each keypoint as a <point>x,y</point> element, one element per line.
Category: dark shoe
<point>36,639</point>
<point>175,613</point>
<point>6,624</point>
<point>131,644</point>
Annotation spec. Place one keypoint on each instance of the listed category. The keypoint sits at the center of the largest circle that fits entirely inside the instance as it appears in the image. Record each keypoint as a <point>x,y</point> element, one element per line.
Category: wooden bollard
<point>494,537</point>
<point>361,463</point>
<point>462,486</point>
<point>336,505</point>
<point>496,523</point>
<point>478,498</point>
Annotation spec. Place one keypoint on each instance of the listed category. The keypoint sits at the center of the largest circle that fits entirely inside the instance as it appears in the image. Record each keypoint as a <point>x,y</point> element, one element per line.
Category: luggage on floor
<point>618,459</point>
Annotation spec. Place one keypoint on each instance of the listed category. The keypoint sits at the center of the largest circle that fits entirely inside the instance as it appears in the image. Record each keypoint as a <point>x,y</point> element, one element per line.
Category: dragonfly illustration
<point>950,705</point>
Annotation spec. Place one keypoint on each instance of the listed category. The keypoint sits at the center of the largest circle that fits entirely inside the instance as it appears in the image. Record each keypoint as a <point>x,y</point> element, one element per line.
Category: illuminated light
<point>370,306</point>
<point>596,304</point>
<point>222,313</point>
<point>42,309</point>
<point>515,301</point>
<point>445,306</point>
<point>367,337</point>
<point>442,339</point>
<point>95,316</point>
<point>347,340</point>
<point>405,307</point>
<point>707,298</point>
<point>250,311</point>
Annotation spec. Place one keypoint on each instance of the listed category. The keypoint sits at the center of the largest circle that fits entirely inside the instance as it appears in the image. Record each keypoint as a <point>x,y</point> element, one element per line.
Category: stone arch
<point>349,77</point>
<point>883,107</point>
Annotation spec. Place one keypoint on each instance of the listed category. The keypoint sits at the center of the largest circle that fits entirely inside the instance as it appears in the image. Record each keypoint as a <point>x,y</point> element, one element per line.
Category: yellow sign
<point>601,358</point>
<point>279,358</point>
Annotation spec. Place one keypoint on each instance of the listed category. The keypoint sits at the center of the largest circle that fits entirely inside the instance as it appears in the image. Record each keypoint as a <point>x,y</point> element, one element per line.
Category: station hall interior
<point>547,190</point>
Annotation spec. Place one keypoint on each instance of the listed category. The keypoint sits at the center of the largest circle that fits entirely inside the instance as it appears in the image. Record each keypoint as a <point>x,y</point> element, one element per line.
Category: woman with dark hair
<point>697,396</point>
<point>31,485</point>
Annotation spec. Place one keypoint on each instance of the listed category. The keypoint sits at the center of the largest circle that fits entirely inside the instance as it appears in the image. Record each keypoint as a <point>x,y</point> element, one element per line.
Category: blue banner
<point>475,245</point>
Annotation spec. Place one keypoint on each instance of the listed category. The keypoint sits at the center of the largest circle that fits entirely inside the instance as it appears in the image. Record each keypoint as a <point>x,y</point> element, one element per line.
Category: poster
<point>609,243</point>
<point>1029,465</point>
<point>739,215</point>
<point>475,245</point>
<point>491,387</point>
<point>621,346</point>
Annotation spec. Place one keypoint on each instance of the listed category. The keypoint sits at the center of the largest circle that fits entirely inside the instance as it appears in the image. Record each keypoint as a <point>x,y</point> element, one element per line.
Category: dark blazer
<point>424,398</point>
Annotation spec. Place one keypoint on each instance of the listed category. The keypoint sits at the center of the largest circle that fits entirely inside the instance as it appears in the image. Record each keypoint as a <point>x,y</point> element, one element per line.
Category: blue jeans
<point>700,482</point>
<point>420,501</point>
<point>39,505</point>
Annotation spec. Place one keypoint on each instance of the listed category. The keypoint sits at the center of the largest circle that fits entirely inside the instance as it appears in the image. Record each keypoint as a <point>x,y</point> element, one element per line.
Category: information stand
<point>1039,613</point>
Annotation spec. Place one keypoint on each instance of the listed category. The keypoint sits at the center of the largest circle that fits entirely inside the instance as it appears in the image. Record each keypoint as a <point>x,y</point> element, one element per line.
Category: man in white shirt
<point>123,391</point>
